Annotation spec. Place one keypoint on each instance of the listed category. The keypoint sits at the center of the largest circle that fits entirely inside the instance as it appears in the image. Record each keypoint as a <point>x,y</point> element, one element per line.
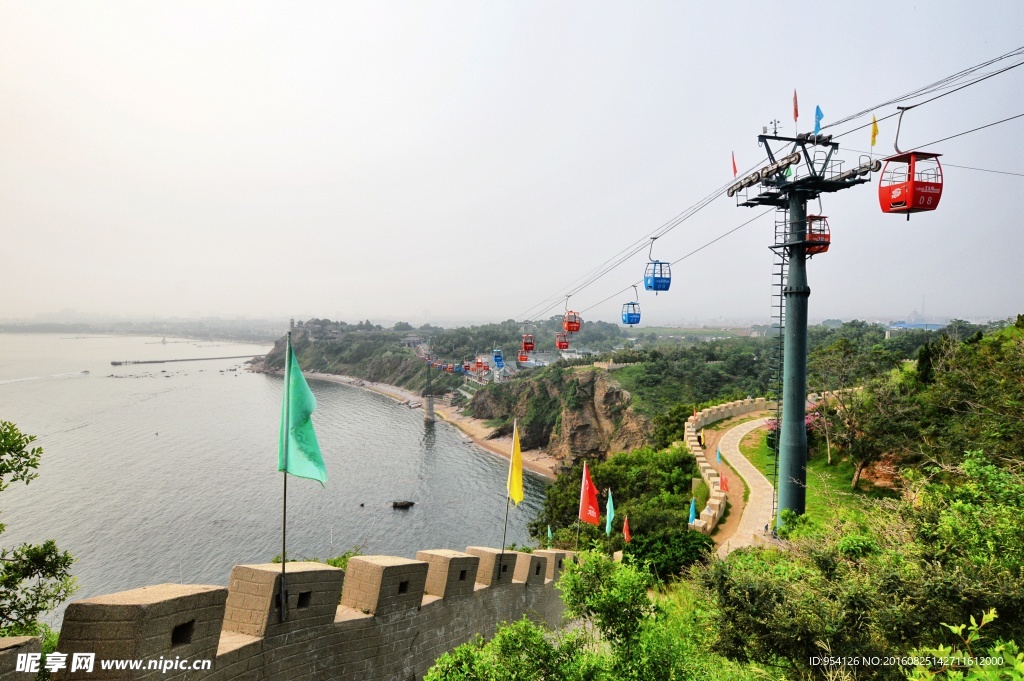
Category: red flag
<point>734,171</point>
<point>725,484</point>
<point>625,529</point>
<point>589,510</point>
<point>796,109</point>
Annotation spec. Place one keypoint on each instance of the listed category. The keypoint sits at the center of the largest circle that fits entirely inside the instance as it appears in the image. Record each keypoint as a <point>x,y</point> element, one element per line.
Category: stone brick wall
<point>10,647</point>
<point>383,618</point>
<point>715,509</point>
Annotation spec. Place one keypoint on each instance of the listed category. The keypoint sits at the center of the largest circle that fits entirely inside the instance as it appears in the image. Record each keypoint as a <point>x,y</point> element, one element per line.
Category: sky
<point>433,161</point>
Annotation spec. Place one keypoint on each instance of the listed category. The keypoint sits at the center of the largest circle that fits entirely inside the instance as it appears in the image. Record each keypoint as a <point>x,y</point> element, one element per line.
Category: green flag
<point>611,515</point>
<point>550,538</point>
<point>298,452</point>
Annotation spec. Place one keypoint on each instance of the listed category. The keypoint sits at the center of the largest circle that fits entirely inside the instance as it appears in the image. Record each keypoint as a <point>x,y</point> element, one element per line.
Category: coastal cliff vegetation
<point>571,408</point>
<point>925,582</point>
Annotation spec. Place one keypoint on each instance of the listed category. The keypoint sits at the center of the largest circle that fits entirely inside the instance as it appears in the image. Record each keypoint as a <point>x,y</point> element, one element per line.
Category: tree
<point>835,369</point>
<point>611,595</point>
<point>402,326</point>
<point>887,415</point>
<point>33,578</point>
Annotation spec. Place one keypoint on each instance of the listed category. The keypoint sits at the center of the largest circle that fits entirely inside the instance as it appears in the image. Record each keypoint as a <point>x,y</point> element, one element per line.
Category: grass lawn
<point>726,424</point>
<point>828,487</point>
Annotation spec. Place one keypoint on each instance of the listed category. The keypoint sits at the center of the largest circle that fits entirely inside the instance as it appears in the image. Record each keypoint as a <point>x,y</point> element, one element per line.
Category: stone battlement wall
<point>381,618</point>
<point>715,509</point>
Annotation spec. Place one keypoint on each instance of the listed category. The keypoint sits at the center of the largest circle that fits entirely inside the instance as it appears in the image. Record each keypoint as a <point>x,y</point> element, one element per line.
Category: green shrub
<point>701,495</point>
<point>668,552</point>
<point>521,651</point>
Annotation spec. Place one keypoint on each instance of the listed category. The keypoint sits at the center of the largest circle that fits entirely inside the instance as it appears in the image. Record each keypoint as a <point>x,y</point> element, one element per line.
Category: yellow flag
<point>515,469</point>
<point>874,131</point>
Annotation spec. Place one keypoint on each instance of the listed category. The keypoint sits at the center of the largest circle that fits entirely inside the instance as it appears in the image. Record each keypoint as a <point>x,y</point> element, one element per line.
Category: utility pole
<point>788,183</point>
<point>428,398</point>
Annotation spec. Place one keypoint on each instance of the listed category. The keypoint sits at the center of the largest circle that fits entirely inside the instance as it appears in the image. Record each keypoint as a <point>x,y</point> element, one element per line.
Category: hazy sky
<point>465,160</point>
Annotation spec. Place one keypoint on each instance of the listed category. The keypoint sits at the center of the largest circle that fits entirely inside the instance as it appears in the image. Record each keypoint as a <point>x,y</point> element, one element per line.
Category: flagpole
<point>501,557</point>
<point>284,492</point>
<point>508,495</point>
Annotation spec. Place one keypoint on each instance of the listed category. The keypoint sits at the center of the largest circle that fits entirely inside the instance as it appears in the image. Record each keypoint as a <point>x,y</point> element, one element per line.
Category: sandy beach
<point>534,460</point>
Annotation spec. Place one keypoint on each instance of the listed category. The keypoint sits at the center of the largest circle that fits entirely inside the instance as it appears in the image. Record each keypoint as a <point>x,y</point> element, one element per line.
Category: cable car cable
<point>952,165</point>
<point>934,87</point>
<point>967,132</point>
<point>691,253</point>
<point>928,144</point>
<point>633,249</point>
<point>983,170</point>
<point>913,106</point>
<point>604,268</point>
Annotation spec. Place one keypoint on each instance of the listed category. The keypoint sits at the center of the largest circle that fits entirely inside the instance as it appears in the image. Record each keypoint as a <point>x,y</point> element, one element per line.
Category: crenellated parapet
<point>381,618</point>
<point>715,509</point>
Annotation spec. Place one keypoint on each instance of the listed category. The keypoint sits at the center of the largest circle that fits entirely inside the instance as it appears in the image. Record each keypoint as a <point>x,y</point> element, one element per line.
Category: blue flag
<point>693,510</point>
<point>817,119</point>
<point>611,515</point>
<point>718,455</point>
<point>550,539</point>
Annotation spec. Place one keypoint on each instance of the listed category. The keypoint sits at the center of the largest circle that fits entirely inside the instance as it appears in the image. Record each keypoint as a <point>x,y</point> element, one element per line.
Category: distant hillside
<point>580,411</point>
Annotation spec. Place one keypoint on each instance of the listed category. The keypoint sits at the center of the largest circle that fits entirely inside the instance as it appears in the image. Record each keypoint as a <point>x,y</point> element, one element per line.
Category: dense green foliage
<point>653,488</point>
<point>716,371</point>
<point>521,651</point>
<point>884,586</point>
<point>962,394</point>
<point>33,578</point>
<point>465,342</point>
<point>629,636</point>
<point>667,381</point>
<point>1001,661</point>
<point>373,355</point>
<point>974,393</point>
<point>864,574</point>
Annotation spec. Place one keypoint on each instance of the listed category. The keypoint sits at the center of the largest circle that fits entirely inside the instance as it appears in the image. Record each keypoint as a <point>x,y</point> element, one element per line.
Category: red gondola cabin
<point>571,321</point>
<point>911,182</point>
<point>561,341</point>
<point>818,236</point>
<point>523,357</point>
<point>527,343</point>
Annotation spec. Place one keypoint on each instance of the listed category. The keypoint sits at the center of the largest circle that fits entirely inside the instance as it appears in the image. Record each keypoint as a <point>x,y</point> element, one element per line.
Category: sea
<point>167,472</point>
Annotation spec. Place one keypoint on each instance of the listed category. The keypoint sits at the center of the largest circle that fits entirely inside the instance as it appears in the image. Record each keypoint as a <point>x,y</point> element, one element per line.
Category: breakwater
<point>117,363</point>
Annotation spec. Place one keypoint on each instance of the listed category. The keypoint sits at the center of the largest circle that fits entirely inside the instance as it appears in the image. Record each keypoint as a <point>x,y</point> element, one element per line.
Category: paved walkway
<point>758,511</point>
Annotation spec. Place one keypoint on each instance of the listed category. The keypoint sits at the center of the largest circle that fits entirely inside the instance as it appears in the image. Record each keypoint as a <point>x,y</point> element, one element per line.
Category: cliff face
<point>570,414</point>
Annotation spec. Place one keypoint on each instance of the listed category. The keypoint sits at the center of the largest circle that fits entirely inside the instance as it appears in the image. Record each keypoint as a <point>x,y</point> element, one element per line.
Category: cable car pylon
<point>809,170</point>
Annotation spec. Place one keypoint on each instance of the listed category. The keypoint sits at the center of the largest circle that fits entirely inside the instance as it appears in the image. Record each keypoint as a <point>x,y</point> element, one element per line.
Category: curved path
<point>758,511</point>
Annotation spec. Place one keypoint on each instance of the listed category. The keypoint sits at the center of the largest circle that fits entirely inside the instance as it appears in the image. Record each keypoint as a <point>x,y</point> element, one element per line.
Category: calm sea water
<point>157,473</point>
